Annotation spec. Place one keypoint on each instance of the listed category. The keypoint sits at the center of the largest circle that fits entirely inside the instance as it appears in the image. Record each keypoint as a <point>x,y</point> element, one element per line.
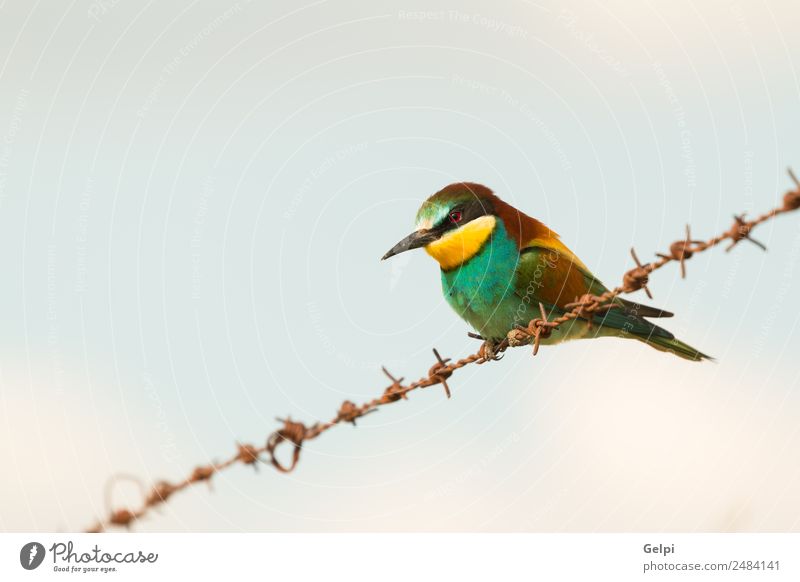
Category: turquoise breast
<point>481,290</point>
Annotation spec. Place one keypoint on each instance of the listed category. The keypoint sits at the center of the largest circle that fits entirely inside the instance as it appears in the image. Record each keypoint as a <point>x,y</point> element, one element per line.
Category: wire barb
<point>349,412</point>
<point>123,517</point>
<point>394,392</point>
<point>439,373</point>
<point>741,231</point>
<point>637,278</point>
<point>248,455</point>
<point>160,492</point>
<point>791,200</point>
<point>536,330</point>
<point>682,250</point>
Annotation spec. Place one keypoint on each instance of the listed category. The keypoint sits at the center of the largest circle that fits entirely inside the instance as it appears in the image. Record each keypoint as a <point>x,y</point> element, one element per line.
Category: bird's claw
<point>492,351</point>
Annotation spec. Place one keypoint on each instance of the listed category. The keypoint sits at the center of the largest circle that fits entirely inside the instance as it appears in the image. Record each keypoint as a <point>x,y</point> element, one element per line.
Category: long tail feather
<point>675,346</point>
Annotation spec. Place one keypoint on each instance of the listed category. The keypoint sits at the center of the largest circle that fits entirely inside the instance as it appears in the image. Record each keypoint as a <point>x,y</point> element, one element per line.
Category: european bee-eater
<point>498,264</point>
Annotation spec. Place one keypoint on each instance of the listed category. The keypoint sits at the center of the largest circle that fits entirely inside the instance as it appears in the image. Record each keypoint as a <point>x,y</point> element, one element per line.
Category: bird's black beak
<point>415,240</point>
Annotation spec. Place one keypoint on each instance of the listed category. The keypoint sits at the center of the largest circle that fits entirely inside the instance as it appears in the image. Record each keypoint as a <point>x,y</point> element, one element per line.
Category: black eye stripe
<point>470,210</point>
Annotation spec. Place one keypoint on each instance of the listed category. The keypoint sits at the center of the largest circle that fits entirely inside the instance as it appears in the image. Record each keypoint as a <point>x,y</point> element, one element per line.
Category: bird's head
<point>453,224</point>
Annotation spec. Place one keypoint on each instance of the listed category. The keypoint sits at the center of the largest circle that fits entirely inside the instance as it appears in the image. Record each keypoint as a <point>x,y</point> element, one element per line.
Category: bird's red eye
<point>455,216</point>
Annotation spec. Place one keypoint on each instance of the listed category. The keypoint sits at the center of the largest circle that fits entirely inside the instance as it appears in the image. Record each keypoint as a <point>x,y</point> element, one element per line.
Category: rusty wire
<point>585,307</point>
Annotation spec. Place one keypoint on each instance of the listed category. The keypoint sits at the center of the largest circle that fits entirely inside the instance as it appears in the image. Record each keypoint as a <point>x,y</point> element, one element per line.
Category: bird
<point>498,265</point>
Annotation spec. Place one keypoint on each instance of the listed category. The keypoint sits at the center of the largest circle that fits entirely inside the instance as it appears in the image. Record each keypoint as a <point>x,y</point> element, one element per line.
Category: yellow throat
<point>460,245</point>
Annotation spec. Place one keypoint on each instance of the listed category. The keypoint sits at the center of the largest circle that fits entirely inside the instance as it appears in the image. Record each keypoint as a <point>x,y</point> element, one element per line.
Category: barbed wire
<point>586,307</point>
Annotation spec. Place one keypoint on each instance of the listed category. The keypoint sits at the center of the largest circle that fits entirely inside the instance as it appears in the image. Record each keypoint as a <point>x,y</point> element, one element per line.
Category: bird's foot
<point>492,350</point>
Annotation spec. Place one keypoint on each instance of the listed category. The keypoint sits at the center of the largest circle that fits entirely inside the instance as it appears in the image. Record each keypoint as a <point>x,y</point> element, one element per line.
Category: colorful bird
<point>498,264</point>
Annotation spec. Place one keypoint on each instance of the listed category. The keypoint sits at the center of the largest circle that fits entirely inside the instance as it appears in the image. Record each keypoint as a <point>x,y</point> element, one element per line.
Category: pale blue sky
<point>194,198</point>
